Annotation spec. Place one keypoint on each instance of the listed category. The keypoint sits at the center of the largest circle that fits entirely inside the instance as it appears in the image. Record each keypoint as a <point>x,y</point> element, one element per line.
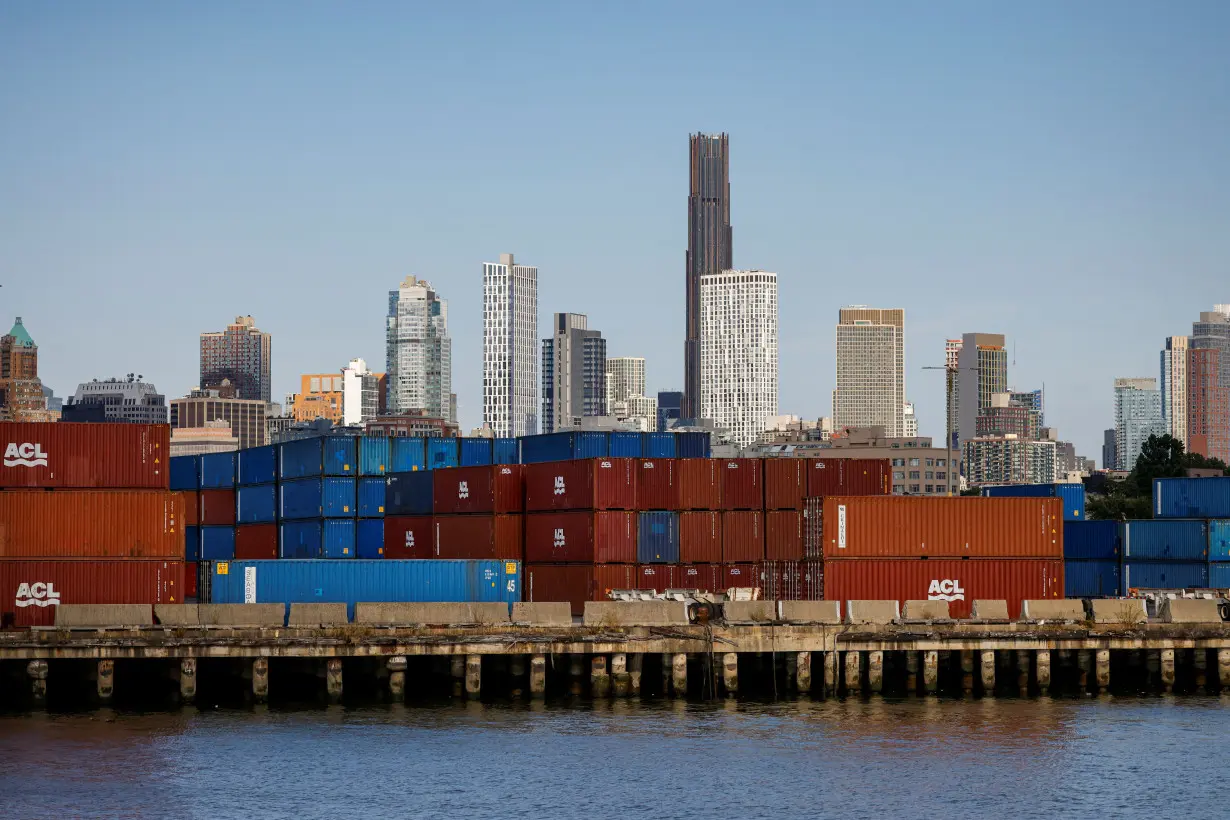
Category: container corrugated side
<point>85,455</point>
<point>700,483</point>
<point>1191,497</point>
<point>185,473</point>
<point>480,536</point>
<point>484,489</point>
<point>408,494</point>
<point>783,535</point>
<point>91,524</point>
<point>369,538</point>
<point>625,444</point>
<point>700,537</point>
<point>848,476</point>
<point>340,455</point>
<point>257,465</point>
<point>474,452</point>
<point>1219,540</point>
<point>602,537</point>
<point>785,483</point>
<point>741,575</point>
<point>657,538</point>
<point>1072,494</point>
<point>1091,579</point>
<point>301,539</point>
<point>192,543</point>
<point>659,577</point>
<point>30,591</point>
<point>692,445</point>
<point>350,582</point>
<point>409,536</point>
<point>317,497</point>
<point>742,483</point>
<point>506,451</point>
<point>338,538</point>
<point>1091,540</point>
<point>256,542</point>
<point>590,484</point>
<point>658,445</point>
<point>576,583</point>
<point>441,452</point>
<point>1170,539</point>
<point>781,581</point>
<point>217,543</point>
<point>218,471</point>
<point>705,577</point>
<point>374,456</point>
<point>256,504</point>
<point>191,507</point>
<point>370,501</point>
<point>190,577</point>
<point>546,447</point>
<point>1219,575</point>
<point>590,445</point>
<point>1165,575</point>
<point>407,454</point>
<point>742,536</point>
<point>217,508</point>
<point>656,485</point>
<point>301,458</point>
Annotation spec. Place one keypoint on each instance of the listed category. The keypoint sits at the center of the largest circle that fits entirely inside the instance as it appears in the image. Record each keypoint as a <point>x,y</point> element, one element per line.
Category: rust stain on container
<point>30,591</point>
<point>256,542</point>
<point>593,537</point>
<point>742,483</point>
<point>217,508</point>
<point>785,483</point>
<point>656,487</point>
<point>700,537</point>
<point>584,484</point>
<point>85,524</point>
<point>742,536</point>
<point>783,535</point>
<point>409,536</point>
<point>94,455</point>
<point>576,583</point>
<point>475,537</point>
<point>471,490</point>
<point>700,484</point>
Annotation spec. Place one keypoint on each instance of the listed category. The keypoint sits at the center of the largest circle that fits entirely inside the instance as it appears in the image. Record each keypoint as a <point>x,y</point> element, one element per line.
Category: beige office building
<point>870,369</point>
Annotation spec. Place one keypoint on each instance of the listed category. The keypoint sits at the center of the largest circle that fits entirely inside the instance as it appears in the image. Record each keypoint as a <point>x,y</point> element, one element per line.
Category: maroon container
<point>192,508</point>
<point>256,542</point>
<point>700,537</point>
<point>700,486</point>
<point>656,488</point>
<point>104,455</point>
<point>741,575</point>
<point>705,577</point>
<point>783,535</point>
<point>742,536</point>
<point>811,577</point>
<point>584,484</point>
<point>848,476</point>
<point>478,537</point>
<point>576,583</point>
<point>742,483</point>
<point>660,577</point>
<point>785,483</point>
<point>470,490</point>
<point>217,508</point>
<point>30,591</point>
<point>409,536</point>
<point>780,581</point>
<point>190,580</point>
<point>599,537</point>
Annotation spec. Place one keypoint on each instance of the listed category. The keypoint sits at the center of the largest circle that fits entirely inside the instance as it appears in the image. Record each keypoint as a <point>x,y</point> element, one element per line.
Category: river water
<point>1160,757</point>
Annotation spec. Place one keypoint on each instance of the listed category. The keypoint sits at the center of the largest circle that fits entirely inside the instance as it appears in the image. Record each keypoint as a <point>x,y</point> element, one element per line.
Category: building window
<point>929,475</point>
<point>914,488</point>
<point>898,489</point>
<point>941,475</point>
<point>914,474</point>
<point>913,462</point>
<point>930,462</point>
<point>930,488</point>
<point>898,462</point>
<point>939,462</point>
<point>899,474</point>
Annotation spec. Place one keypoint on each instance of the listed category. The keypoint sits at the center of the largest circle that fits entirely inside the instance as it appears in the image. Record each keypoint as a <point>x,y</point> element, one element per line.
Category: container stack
<point>477,513</point>
<point>1182,501</point>
<point>1092,559</point>
<point>375,460</point>
<point>317,497</point>
<point>256,504</point>
<point>1071,493</point>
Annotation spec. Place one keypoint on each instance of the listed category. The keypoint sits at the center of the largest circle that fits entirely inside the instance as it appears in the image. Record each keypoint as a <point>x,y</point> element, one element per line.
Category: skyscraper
<point>710,245</point>
<point>982,368</point>
<point>120,400</point>
<point>738,352</point>
<point>21,390</point>
<point>1109,457</point>
<point>625,377</point>
<point>360,393</point>
<point>1212,332</point>
<point>573,373</point>
<point>240,354</point>
<point>1174,387</point>
<point>952,378</point>
<point>870,369</point>
<point>1138,415</point>
<point>510,347</point>
<point>1208,405</point>
<point>419,351</point>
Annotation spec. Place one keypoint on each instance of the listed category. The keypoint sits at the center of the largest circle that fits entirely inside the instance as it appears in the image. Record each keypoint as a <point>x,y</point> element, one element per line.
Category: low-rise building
<point>211,437</point>
<point>122,400</point>
<point>412,424</point>
<point>1009,459</point>
<point>246,417</point>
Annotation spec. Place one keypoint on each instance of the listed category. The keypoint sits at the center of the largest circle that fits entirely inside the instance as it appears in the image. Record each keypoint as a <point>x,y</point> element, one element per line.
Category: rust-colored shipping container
<point>783,535</point>
<point>785,483</point>
<point>921,526</point>
<point>956,581</point>
<point>256,542</point>
<point>742,483</point>
<point>811,576</point>
<point>190,580</point>
<point>217,508</point>
<point>591,537</point>
<point>705,577</point>
<point>409,536</point>
<point>813,528</point>
<point>700,537</point>
<point>780,581</point>
<point>848,476</point>
<point>192,508</point>
<point>700,484</point>
<point>471,490</point>
<point>741,575</point>
<point>583,484</point>
<point>660,577</point>
<point>576,583</point>
<point>656,487</point>
<point>94,455</point>
<point>742,536</point>
<point>477,537</point>
<point>87,524</point>
<point>30,591</point>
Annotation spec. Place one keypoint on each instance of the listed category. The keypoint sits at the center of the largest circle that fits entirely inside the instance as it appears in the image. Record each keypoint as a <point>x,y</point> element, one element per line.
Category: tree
<point>1118,505</point>
<point>1160,457</point>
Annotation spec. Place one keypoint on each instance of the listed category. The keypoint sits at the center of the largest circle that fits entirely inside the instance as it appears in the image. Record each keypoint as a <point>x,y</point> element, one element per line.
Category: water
<point>1071,758</point>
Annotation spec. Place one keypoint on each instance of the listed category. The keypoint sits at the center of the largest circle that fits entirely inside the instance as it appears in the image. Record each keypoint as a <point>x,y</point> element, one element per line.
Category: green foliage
<point>1118,506</point>
<point>1160,457</point>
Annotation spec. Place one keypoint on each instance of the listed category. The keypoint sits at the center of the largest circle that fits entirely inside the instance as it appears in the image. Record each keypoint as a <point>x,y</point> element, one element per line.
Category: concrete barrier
<point>269,615</point>
<point>542,613</point>
<point>989,610</point>
<point>104,615</point>
<point>1123,612</point>
<point>1190,611</point>
<point>177,614</point>
<point>431,614</point>
<point>925,611</point>
<point>1052,609</point>
<point>872,612</point>
<point>811,612</point>
<point>308,615</point>
<point>760,612</point>
<point>635,613</point>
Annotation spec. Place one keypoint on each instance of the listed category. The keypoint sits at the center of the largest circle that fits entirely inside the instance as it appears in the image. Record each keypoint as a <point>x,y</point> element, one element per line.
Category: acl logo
<point>560,489</point>
<point>409,538</point>
<point>945,590</point>
<point>463,489</point>
<point>559,538</point>
<point>37,594</point>
<point>24,455</point>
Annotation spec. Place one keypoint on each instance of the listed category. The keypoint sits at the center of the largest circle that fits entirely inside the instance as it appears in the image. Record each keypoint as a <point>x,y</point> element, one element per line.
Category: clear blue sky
<point>1055,171</point>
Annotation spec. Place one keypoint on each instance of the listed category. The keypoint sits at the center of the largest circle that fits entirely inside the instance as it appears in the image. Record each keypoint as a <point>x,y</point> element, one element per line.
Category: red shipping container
<point>742,483</point>
<point>700,537</point>
<point>785,483</point>
<point>660,577</point>
<point>601,537</point>
<point>741,575</point>
<point>409,536</point>
<point>30,591</point>
<point>110,455</point>
<point>848,476</point>
<point>256,542</point>
<point>479,537</point>
<point>584,484</point>
<point>469,490</point>
<point>783,535</point>
<point>656,488</point>
<point>962,527</point>
<point>811,576</point>
<point>190,579</point>
<point>813,528</point>
<point>742,536</point>
<point>91,524</point>
<point>217,508</point>
<point>705,577</point>
<point>576,583</point>
<point>780,580</point>
<point>700,484</point>
<point>192,508</point>
<point>956,581</point>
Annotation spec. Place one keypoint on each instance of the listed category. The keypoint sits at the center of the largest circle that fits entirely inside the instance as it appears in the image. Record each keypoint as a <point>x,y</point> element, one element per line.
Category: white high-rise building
<point>909,421</point>
<point>360,393</point>
<point>625,377</point>
<point>738,352</point>
<point>419,351</point>
<point>870,369</point>
<point>1138,415</point>
<point>1174,387</point>
<point>510,347</point>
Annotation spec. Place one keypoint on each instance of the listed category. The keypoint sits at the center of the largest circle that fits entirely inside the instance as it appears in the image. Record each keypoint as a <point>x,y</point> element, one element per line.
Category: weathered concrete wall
<point>438,614</point>
<point>269,615</point>
<point>104,615</point>
<point>1052,609</point>
<point>925,611</point>
<point>989,610</point>
<point>635,613</point>
<point>542,613</point>
<point>811,612</point>
<point>749,612</point>
<point>1124,612</point>
<point>872,612</point>
<point>318,615</point>
<point>1190,611</point>
<point>177,614</point>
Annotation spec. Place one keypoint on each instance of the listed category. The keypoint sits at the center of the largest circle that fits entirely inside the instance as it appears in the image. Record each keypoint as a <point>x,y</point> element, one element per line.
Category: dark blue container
<point>317,498</point>
<point>341,455</point>
<point>475,452</point>
<point>1219,540</point>
<point>217,543</point>
<point>547,447</point>
<point>1191,497</point>
<point>408,494</point>
<point>591,445</point>
<point>257,465</point>
<point>657,538</point>
<point>369,538</point>
<point>506,451</point>
<point>339,538</point>
<point>1165,540</point>
<point>301,539</point>
<point>441,452</point>
<point>192,543</point>
<point>257,504</point>
<point>1164,575</point>
<point>218,471</point>
<point>1219,575</point>
<point>692,445</point>
<point>658,445</point>
<point>301,458</point>
<point>1091,540</point>
<point>371,498</point>
<point>624,444</point>
<point>407,453</point>
<point>1071,494</point>
<point>375,457</point>
<point>1091,579</point>
<point>185,473</point>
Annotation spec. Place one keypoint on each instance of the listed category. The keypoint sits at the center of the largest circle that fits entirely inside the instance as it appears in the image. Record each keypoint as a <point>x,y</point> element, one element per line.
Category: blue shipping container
<point>1091,540</point>
<point>217,543</point>
<point>547,447</point>
<point>1219,575</point>
<point>658,445</point>
<point>1072,495</point>
<point>371,498</point>
<point>1167,540</point>
<point>590,445</point>
<point>369,538</point>
<point>1091,579</point>
<point>625,444</point>
<point>218,471</point>
<point>657,538</point>
<point>341,455</point>
<point>506,451</point>
<point>375,457</point>
<point>1191,497</point>
<point>317,498</point>
<point>1165,575</point>
<point>349,582</point>
<point>339,538</point>
<point>408,494</point>
<point>256,505</point>
<point>301,458</point>
<point>257,465</point>
<point>692,445</point>
<point>192,543</point>
<point>185,473</point>
<point>1219,540</point>
<point>406,454</point>
<point>475,452</point>
<point>301,539</point>
<point>441,452</point>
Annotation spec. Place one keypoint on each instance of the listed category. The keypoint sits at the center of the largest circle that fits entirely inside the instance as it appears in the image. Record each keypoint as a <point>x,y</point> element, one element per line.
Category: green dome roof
<point>19,332</point>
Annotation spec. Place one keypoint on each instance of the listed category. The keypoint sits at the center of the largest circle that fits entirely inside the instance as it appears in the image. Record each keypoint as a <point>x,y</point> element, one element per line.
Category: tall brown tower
<point>709,245</point>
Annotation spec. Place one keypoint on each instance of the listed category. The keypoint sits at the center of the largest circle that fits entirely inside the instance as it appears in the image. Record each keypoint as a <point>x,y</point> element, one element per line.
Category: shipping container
<point>369,538</point>
<point>408,493</point>
<point>957,581</point>
<point>813,528</point>
<point>692,445</point>
<point>656,488</point>
<point>487,489</point>
<point>658,577</point>
<point>785,483</point>
<point>1219,540</point>
<point>742,483</point>
<point>1091,579</point>
<point>700,537</point>
<point>409,536</point>
<point>82,524</point>
<point>506,451</point>
<point>1164,575</point>
<point>370,501</point>
<point>257,465</point>
<point>657,538</point>
<point>300,458</point>
<point>657,445</point>
<point>474,452</point>
<point>473,537</point>
<point>374,456</point>
<point>218,471</point>
<point>192,543</point>
<point>741,575</point>
<point>341,455</point>
<point>601,537</point>
<point>1072,494</point>
<point>339,538</point>
<point>1091,540</point>
<point>351,582</point>
<point>190,571</point>
<point>441,452</point>
<point>781,581</point>
<point>625,444</point>
<point>217,543</point>
<point>705,577</point>
<point>185,473</point>
<point>317,498</point>
<point>1219,575</point>
<point>1170,539</point>
<point>576,583</point>
<point>700,483</point>
<point>589,484</point>
<point>1191,497</point>
<point>783,535</point>
<point>30,591</point>
<point>255,504</point>
<point>742,536</point>
<point>546,447</point>
<point>85,455</point>
<point>811,578</point>
<point>407,454</point>
<point>256,542</point>
<point>301,539</point>
<point>848,476</point>
<point>191,507</point>
<point>217,508</point>
<point>921,526</point>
